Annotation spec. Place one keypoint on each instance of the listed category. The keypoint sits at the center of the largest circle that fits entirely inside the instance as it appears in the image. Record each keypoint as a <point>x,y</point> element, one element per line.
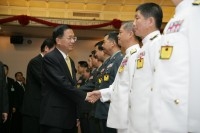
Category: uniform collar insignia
<point>133,51</point>
<point>153,37</point>
<point>196,2</point>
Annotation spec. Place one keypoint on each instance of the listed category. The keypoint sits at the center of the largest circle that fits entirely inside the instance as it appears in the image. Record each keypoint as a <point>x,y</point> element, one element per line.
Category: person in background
<point>82,66</point>
<point>11,91</point>
<point>19,87</point>
<point>4,105</point>
<point>32,96</point>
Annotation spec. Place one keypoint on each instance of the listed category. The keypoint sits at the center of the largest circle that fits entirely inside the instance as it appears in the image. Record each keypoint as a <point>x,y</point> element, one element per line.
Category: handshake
<point>93,96</point>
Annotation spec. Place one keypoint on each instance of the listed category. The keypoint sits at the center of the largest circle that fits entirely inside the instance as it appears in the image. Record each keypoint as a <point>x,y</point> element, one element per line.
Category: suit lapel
<point>64,65</point>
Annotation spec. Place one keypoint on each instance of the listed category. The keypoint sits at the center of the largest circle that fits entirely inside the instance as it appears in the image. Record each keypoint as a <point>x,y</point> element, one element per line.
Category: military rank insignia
<point>196,2</point>
<point>123,64</point>
<point>106,77</point>
<point>78,86</point>
<point>133,51</point>
<point>100,80</point>
<point>166,52</point>
<point>140,63</point>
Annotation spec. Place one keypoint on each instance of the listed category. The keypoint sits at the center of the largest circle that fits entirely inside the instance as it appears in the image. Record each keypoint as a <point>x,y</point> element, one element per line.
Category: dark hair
<point>47,42</point>
<point>151,10</point>
<point>113,36</point>
<point>93,53</point>
<point>99,45</point>
<point>59,31</point>
<point>83,64</point>
<point>18,73</point>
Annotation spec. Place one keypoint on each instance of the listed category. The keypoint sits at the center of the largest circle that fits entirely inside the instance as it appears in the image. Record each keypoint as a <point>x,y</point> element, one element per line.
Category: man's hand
<point>4,117</point>
<point>93,96</point>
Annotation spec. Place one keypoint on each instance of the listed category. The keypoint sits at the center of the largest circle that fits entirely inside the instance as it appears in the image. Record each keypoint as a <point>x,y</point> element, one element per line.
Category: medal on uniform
<point>106,77</point>
<point>123,64</point>
<point>78,86</point>
<point>121,68</point>
<point>174,26</point>
<point>166,52</point>
<point>100,80</point>
<point>140,63</point>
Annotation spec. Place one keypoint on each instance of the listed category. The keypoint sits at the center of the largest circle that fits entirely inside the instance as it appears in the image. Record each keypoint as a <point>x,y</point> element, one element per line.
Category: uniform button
<point>129,106</point>
<point>154,70</point>
<point>177,101</point>
<point>151,89</point>
<point>130,91</point>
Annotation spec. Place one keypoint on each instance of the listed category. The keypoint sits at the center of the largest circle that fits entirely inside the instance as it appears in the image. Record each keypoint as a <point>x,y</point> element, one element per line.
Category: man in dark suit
<point>16,126</point>
<point>32,95</point>
<point>3,96</point>
<point>58,112</point>
<point>11,90</point>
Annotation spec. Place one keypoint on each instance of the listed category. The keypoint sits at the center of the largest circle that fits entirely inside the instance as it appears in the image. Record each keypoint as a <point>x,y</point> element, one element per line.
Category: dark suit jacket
<point>18,96</point>
<point>3,93</point>
<point>32,95</point>
<point>60,97</point>
<point>11,91</point>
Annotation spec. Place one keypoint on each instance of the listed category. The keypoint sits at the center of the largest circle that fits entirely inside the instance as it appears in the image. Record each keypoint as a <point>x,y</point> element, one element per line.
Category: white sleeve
<point>106,94</point>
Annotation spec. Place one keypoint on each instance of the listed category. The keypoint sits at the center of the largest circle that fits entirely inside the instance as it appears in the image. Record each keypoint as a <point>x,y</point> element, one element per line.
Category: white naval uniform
<point>174,77</point>
<point>118,92</point>
<point>141,86</point>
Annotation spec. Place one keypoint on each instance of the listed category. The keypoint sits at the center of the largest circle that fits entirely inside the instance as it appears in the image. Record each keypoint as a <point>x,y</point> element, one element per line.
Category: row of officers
<point>148,89</point>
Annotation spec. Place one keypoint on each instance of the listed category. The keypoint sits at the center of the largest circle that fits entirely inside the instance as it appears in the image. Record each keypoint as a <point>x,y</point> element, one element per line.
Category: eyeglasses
<point>71,38</point>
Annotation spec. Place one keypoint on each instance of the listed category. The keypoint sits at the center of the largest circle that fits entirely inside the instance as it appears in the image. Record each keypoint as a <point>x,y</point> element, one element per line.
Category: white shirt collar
<point>63,54</point>
<point>128,50</point>
<point>149,36</point>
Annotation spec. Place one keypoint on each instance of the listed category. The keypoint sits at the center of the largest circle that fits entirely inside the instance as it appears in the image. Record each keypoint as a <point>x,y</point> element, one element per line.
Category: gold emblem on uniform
<point>100,80</point>
<point>106,77</point>
<point>78,86</point>
<point>166,52</point>
<point>121,69</point>
<point>140,63</point>
<point>123,64</point>
<point>196,2</point>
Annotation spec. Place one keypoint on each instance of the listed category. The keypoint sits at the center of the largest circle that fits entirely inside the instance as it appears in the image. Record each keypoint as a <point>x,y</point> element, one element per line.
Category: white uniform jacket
<point>118,92</point>
<point>173,78</point>
<point>140,93</point>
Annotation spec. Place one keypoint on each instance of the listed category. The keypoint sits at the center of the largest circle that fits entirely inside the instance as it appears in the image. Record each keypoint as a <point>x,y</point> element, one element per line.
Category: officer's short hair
<point>151,10</point>
<point>113,36</point>
<point>83,64</point>
<point>47,42</point>
<point>128,26</point>
<point>99,45</point>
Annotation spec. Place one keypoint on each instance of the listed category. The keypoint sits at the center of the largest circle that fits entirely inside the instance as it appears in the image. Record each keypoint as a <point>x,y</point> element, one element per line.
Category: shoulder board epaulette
<point>153,37</point>
<point>196,2</point>
<point>133,51</point>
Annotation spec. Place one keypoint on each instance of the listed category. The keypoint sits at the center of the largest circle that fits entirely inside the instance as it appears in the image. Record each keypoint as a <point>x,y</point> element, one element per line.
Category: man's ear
<point>151,21</point>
